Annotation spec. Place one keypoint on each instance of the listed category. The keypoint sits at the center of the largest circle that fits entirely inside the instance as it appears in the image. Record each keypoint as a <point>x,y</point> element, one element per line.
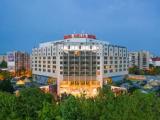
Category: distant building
<point>18,61</point>
<point>133,59</point>
<point>141,59</point>
<point>3,58</point>
<point>79,63</point>
<point>156,61</point>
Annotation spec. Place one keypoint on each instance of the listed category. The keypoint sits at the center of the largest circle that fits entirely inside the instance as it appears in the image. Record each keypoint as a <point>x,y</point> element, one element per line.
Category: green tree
<point>8,107</point>
<point>30,101</point>
<point>49,111</point>
<point>3,64</point>
<point>134,70</point>
<point>5,75</point>
<point>5,85</point>
<point>71,109</point>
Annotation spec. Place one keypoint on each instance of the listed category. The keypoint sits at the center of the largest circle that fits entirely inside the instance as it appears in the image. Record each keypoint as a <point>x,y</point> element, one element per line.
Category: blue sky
<point>131,23</point>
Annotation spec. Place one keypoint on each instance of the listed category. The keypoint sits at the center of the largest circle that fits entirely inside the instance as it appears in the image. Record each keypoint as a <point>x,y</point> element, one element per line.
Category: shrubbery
<point>33,104</point>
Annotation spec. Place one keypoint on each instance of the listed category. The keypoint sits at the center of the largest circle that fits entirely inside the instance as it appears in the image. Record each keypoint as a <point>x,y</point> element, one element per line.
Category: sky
<point>131,23</point>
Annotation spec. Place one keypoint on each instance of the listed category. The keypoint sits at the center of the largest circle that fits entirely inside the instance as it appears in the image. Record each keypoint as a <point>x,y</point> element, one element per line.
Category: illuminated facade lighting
<point>79,63</point>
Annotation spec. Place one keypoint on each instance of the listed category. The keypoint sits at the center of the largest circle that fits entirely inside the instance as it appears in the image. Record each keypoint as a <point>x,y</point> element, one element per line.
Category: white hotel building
<point>79,63</point>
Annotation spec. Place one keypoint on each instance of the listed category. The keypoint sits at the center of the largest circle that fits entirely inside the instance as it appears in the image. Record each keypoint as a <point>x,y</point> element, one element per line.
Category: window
<point>105,71</point>
<point>54,66</point>
<point>98,68</point>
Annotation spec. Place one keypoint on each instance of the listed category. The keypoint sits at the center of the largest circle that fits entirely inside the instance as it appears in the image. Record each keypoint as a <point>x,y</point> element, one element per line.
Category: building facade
<point>18,61</point>
<point>155,61</point>
<point>141,59</point>
<point>133,59</point>
<point>79,63</point>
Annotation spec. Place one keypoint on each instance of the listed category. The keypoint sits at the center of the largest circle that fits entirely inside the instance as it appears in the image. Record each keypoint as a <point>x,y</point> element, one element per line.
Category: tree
<point>5,85</point>
<point>133,70</point>
<point>30,101</point>
<point>71,109</point>
<point>4,75</point>
<point>49,111</point>
<point>8,107</point>
<point>3,64</point>
<point>33,104</point>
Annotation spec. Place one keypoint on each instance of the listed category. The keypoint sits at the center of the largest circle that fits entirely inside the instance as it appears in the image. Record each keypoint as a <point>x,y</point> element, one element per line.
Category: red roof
<point>156,59</point>
<point>80,36</point>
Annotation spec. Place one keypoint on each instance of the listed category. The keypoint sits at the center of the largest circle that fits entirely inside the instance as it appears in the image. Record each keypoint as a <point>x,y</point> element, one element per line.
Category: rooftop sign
<point>79,36</point>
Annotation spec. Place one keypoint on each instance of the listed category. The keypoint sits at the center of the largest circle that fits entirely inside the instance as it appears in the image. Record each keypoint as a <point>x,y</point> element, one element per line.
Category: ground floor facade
<point>76,87</point>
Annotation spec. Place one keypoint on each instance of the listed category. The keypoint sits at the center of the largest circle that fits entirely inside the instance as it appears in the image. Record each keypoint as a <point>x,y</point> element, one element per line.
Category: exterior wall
<point>155,61</point>
<point>11,61</point>
<point>133,59</point>
<point>18,61</point>
<point>79,63</point>
<point>140,59</point>
<point>144,58</point>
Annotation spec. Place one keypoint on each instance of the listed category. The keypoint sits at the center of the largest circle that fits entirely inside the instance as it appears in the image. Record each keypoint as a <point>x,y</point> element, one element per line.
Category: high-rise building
<point>133,59</point>
<point>79,63</point>
<point>18,61</point>
<point>141,59</point>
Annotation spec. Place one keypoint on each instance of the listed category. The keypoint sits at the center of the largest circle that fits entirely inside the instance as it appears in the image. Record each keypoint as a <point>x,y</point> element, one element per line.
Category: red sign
<point>79,36</point>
